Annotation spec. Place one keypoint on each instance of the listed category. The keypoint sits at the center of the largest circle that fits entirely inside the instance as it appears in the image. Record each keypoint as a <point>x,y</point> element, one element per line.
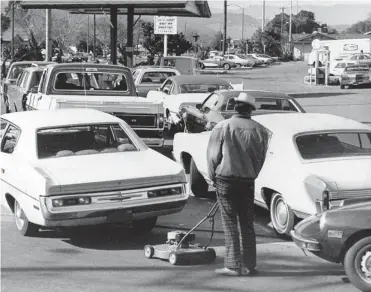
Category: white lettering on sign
<point>165,25</point>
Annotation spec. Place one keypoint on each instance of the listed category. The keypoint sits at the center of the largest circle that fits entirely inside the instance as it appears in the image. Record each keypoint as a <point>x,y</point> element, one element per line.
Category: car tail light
<point>71,201</point>
<point>165,192</point>
<point>326,200</point>
<point>161,120</point>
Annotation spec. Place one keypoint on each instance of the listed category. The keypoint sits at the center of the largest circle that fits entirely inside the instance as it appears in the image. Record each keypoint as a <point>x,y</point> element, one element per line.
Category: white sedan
<point>74,167</point>
<point>184,90</point>
<point>314,161</point>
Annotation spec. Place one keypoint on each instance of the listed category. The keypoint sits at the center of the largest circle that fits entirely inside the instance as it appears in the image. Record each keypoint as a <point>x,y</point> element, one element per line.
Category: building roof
<point>141,7</point>
<point>349,36</point>
<point>308,38</point>
<point>32,120</point>
<point>308,122</point>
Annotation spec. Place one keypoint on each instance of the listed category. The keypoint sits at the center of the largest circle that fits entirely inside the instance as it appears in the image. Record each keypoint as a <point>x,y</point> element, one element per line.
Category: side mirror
<point>166,90</point>
<point>34,89</point>
<point>199,106</point>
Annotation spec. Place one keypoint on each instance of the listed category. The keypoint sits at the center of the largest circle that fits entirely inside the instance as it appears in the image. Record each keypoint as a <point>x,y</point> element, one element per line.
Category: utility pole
<point>225,27</point>
<point>13,31</point>
<point>87,40</point>
<point>94,36</point>
<point>243,16</point>
<point>290,27</point>
<point>48,43</point>
<point>282,16</point>
<point>263,16</point>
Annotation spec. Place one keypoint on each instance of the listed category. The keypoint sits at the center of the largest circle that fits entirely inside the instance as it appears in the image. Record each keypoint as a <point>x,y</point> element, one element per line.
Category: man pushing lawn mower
<point>235,156</point>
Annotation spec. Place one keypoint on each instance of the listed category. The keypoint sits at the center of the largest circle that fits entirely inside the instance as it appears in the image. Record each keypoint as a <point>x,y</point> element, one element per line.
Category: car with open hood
<point>77,167</point>
<point>311,157</point>
<point>184,90</point>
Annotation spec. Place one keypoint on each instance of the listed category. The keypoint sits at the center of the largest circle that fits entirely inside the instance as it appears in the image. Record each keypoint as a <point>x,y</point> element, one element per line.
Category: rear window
<point>94,81</point>
<point>202,88</point>
<point>16,70</point>
<point>156,77</point>
<point>83,140</point>
<point>331,145</point>
<point>266,104</point>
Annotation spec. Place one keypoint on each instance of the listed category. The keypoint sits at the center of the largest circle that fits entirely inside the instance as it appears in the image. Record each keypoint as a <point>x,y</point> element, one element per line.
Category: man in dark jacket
<point>235,156</point>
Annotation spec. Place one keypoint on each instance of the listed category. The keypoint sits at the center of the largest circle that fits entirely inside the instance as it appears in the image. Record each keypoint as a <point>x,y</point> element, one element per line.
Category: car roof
<point>32,69</point>
<point>296,123</point>
<point>197,79</point>
<point>32,120</point>
<point>32,62</point>
<point>179,57</point>
<point>85,65</point>
<point>255,93</point>
<point>157,68</point>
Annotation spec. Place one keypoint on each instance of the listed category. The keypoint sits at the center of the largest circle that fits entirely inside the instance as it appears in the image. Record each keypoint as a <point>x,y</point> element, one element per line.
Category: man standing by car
<point>235,156</point>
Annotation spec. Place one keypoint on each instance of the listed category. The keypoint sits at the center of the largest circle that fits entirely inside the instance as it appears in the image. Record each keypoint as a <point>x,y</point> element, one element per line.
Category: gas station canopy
<point>150,7</point>
<point>184,8</point>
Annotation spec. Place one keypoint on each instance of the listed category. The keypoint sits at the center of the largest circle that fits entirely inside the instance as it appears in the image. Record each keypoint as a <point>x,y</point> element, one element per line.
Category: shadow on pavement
<point>319,94</point>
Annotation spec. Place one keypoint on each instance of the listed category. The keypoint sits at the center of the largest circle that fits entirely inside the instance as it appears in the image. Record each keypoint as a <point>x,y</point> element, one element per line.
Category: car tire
<point>7,107</point>
<point>282,216</point>
<point>238,65</point>
<point>355,264</point>
<point>226,66</point>
<point>342,86</point>
<point>143,226</point>
<point>24,227</point>
<point>198,184</point>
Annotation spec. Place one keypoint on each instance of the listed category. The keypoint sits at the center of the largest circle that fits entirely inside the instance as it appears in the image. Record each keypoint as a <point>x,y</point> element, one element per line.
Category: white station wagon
<point>311,159</point>
<point>73,167</point>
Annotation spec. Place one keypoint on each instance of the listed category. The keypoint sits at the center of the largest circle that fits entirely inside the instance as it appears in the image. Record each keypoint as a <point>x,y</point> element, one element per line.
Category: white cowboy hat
<point>246,98</point>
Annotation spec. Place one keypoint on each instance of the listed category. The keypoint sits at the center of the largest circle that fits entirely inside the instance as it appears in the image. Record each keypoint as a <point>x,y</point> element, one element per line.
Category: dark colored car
<point>354,75</point>
<point>341,235</point>
<point>219,105</point>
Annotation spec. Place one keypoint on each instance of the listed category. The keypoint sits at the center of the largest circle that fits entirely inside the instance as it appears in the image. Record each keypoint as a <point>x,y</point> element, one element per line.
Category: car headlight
<point>322,221</point>
<point>71,201</point>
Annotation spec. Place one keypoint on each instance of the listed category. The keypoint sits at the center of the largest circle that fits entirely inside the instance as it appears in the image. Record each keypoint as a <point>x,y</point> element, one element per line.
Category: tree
<point>216,42</point>
<point>5,22</point>
<point>360,27</point>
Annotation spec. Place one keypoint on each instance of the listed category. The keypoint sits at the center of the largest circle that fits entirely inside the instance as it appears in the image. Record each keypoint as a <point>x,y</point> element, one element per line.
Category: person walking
<point>235,156</point>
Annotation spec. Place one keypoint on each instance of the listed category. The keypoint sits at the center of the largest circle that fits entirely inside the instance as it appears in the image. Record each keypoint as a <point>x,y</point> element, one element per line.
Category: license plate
<point>120,216</point>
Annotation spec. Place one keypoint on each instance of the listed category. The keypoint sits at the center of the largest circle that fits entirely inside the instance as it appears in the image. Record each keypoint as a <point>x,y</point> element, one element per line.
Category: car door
<point>13,92</point>
<point>9,139</point>
<point>209,116</point>
<point>22,89</point>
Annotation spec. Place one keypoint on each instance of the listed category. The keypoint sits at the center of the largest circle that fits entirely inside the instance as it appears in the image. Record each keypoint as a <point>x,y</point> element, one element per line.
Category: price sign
<point>165,25</point>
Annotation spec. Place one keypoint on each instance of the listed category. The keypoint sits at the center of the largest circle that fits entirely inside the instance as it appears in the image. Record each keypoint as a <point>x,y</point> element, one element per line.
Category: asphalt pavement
<point>110,259</point>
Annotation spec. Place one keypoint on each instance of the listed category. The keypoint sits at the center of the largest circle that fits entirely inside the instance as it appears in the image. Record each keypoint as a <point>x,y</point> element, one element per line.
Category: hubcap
<point>147,251</point>
<point>366,264</point>
<point>281,216</point>
<point>19,216</point>
<point>172,258</point>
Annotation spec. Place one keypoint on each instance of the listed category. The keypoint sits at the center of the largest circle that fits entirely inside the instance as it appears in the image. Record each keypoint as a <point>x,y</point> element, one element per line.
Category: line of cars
<point>315,162</point>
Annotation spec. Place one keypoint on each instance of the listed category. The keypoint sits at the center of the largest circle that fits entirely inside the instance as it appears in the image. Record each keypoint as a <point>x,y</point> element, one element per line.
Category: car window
<point>4,124</point>
<point>332,145</point>
<point>16,70</point>
<point>156,77</point>
<point>202,88</point>
<point>210,102</point>
<point>83,140</point>
<point>100,81</point>
<point>35,78</point>
<point>169,62</point>
<point>10,139</point>
<point>43,84</point>
<point>167,86</point>
<point>340,65</point>
<point>25,79</point>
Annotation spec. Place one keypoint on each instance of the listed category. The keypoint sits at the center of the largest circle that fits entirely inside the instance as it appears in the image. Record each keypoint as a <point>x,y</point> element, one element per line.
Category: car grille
<point>350,194</point>
<point>138,121</point>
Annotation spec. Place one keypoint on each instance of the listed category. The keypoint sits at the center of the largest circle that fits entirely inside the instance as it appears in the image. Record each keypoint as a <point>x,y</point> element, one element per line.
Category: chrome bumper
<point>304,243</point>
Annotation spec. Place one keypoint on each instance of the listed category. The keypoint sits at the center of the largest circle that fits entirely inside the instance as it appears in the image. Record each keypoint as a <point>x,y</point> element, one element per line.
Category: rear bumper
<point>355,82</point>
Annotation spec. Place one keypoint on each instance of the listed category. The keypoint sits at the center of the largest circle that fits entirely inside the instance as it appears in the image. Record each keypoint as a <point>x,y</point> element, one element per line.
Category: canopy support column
<point>129,44</point>
<point>114,36</point>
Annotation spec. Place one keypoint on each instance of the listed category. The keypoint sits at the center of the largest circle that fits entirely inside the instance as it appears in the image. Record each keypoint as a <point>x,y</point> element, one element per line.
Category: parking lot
<point>113,260</point>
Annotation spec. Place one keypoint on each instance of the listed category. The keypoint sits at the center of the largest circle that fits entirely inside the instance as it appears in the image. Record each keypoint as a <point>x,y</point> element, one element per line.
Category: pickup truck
<point>109,88</point>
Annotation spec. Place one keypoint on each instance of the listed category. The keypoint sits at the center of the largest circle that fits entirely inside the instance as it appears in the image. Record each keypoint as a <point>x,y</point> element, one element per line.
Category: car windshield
<point>358,68</point>
<point>92,80</point>
<point>242,56</point>
<point>16,70</point>
<point>331,145</point>
<point>202,88</point>
<point>82,140</point>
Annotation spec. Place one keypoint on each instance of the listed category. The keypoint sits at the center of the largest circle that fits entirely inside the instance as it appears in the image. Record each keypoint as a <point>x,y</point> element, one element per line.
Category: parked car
<point>184,64</point>
<point>339,68</point>
<point>178,91</point>
<point>217,62</point>
<point>219,105</point>
<point>355,75</point>
<point>240,61</point>
<point>109,88</point>
<point>362,59</point>
<point>265,60</point>
<point>17,95</point>
<point>14,71</point>
<point>76,167</point>
<point>151,78</point>
<point>311,157</point>
<point>341,235</point>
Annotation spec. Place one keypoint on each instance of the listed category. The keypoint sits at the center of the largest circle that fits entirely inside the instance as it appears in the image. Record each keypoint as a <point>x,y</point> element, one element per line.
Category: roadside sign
<point>165,25</point>
<point>316,44</point>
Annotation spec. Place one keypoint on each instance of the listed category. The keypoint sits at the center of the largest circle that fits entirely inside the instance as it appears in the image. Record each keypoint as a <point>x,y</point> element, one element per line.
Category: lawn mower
<point>181,248</point>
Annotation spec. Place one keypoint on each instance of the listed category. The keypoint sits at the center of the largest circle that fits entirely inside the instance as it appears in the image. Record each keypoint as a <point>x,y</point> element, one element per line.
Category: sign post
<point>165,25</point>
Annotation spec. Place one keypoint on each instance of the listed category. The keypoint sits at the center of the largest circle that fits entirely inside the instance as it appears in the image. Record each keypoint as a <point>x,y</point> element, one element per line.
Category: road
<point>112,259</point>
